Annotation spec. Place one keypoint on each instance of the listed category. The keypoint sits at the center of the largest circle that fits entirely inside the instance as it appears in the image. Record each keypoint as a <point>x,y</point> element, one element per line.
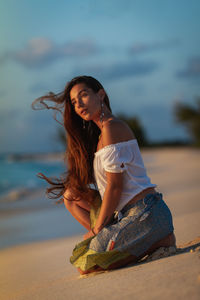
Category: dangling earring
<point>83,124</point>
<point>102,114</point>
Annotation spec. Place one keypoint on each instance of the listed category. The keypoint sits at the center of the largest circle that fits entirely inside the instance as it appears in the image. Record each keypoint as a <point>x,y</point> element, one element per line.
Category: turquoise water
<point>26,214</point>
<point>17,175</point>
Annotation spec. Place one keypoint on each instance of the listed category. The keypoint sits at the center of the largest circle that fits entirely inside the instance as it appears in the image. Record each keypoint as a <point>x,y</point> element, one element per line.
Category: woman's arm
<point>110,200</point>
<point>113,132</point>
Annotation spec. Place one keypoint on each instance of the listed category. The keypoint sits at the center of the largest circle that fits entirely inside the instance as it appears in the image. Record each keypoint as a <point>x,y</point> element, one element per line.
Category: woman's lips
<point>83,111</point>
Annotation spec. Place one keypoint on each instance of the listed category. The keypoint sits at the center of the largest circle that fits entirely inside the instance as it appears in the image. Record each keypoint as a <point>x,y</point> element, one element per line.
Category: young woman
<point>125,216</point>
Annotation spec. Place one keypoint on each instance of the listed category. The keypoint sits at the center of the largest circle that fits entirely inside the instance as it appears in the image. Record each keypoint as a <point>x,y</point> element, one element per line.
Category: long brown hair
<point>81,141</point>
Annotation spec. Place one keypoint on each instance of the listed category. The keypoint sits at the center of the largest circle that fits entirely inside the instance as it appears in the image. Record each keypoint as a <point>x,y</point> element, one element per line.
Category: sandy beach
<point>41,270</point>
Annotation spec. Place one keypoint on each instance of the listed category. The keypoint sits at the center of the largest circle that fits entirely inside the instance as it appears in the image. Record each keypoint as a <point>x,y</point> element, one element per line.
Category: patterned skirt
<point>132,232</point>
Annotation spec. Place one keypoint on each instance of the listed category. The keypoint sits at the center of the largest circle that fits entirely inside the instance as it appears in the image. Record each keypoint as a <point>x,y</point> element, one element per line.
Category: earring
<point>83,124</point>
<point>102,114</point>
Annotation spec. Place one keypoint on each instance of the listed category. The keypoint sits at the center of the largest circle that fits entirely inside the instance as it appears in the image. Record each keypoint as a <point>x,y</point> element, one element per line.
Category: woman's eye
<point>83,94</point>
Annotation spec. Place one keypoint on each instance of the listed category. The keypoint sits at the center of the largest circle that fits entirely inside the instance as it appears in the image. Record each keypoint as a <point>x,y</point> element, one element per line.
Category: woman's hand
<point>88,235</point>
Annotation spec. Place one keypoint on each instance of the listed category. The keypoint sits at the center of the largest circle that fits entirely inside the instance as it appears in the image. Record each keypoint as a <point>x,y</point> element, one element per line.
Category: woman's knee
<point>69,198</point>
<point>73,201</point>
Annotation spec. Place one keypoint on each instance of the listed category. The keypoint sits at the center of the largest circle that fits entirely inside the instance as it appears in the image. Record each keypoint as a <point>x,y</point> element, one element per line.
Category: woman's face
<point>86,102</point>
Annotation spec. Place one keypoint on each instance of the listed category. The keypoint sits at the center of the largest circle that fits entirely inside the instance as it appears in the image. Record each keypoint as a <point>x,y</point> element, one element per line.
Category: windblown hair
<point>81,141</point>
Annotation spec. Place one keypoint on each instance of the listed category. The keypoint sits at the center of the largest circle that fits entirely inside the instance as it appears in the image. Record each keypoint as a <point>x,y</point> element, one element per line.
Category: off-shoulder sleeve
<point>115,158</point>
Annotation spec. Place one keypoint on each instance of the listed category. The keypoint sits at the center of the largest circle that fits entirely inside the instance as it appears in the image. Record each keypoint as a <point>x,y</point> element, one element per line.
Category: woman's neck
<point>100,121</point>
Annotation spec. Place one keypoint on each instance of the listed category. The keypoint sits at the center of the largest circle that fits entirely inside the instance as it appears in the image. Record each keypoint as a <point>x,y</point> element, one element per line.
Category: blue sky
<point>145,53</point>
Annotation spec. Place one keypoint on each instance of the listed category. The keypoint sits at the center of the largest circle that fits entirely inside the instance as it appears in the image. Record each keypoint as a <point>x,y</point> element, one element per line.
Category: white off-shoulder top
<point>122,157</point>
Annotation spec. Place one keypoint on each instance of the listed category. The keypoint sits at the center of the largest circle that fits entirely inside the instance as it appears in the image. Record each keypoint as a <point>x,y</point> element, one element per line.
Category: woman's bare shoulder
<point>116,131</point>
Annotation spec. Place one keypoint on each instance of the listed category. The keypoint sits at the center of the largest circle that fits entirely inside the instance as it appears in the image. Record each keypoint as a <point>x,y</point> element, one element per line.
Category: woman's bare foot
<point>168,241</point>
<point>92,270</point>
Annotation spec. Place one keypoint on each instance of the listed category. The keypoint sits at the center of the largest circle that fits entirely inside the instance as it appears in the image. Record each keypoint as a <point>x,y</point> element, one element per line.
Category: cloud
<point>140,47</point>
<point>191,70</point>
<point>115,71</point>
<point>119,70</point>
<point>40,52</point>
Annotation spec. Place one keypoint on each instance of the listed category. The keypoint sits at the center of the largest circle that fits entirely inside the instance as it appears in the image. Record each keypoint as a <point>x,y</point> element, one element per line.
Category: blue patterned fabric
<point>138,227</point>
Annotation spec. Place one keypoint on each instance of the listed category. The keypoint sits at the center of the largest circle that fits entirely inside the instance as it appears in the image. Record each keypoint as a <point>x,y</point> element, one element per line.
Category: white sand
<point>42,270</point>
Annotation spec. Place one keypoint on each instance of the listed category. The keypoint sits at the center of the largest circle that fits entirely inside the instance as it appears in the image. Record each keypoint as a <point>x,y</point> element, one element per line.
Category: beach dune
<point>42,270</point>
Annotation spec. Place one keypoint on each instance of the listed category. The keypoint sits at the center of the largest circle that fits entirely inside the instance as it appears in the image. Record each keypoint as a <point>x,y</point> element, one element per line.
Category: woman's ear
<point>101,94</point>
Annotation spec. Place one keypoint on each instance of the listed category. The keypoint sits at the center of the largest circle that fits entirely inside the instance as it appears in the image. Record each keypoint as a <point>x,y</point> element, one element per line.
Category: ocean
<point>26,214</point>
<point>17,175</point>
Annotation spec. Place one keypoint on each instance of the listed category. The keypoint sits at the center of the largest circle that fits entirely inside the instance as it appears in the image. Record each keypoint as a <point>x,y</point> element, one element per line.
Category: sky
<point>145,53</point>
